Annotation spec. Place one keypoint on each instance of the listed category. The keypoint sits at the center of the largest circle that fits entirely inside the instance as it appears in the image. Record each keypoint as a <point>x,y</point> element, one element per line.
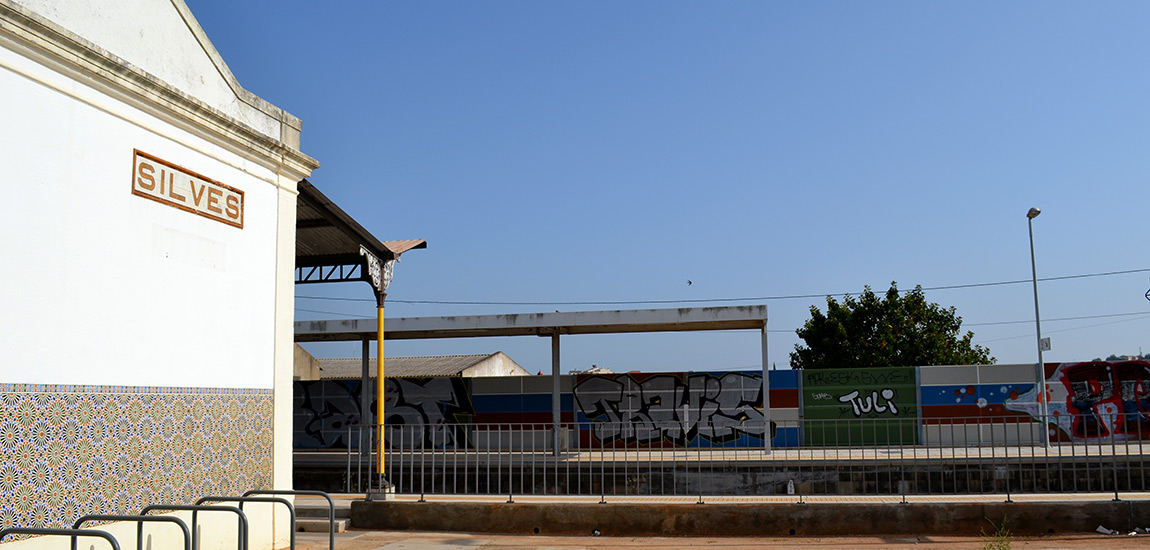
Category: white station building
<point>148,292</point>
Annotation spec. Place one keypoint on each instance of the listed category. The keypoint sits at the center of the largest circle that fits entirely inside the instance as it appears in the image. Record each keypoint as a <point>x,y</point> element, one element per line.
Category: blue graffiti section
<point>987,397</point>
<point>674,409</point>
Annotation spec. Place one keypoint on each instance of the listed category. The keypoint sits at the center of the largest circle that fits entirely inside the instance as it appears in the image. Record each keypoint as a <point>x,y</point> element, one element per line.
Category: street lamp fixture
<point>1040,374</point>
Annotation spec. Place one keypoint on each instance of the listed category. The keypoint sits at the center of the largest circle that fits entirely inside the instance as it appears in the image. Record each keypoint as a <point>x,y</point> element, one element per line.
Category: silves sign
<point>859,406</point>
<point>159,180</point>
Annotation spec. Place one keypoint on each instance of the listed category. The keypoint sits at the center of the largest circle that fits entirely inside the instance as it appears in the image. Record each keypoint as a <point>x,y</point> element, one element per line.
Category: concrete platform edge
<point>838,519</point>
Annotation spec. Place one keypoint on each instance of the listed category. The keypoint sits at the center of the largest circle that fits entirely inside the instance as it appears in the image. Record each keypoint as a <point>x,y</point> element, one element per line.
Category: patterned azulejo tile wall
<point>67,451</point>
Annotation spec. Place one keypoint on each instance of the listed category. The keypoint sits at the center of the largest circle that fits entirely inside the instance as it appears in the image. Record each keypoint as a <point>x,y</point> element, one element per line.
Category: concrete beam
<point>539,324</point>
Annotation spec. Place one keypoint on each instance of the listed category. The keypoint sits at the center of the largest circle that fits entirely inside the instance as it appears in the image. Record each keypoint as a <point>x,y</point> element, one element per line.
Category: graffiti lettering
<point>1098,410</point>
<point>324,409</point>
<point>1096,399</point>
<point>430,408</point>
<point>434,411</point>
<point>674,409</point>
<point>860,377</point>
<point>870,403</point>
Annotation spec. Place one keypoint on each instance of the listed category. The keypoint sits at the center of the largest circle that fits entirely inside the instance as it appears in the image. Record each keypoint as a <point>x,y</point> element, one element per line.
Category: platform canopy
<point>539,324</point>
<point>332,247</point>
<point>553,325</point>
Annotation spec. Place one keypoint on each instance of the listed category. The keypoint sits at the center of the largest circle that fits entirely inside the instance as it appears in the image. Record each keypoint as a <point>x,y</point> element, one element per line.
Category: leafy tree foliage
<point>893,331</point>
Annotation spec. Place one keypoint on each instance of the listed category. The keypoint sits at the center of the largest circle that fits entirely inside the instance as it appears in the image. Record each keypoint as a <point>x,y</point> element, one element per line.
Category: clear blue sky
<point>611,151</point>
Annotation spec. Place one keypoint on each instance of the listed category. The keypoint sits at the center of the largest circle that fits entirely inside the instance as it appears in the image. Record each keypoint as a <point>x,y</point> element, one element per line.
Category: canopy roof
<point>327,235</point>
<point>332,247</point>
<point>538,324</point>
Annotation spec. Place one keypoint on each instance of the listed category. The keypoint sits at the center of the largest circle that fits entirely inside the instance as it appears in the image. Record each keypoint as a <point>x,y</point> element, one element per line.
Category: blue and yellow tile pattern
<point>68,450</point>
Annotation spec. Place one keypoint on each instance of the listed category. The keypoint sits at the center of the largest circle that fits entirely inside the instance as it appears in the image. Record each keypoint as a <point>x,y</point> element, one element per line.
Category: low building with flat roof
<point>465,366</point>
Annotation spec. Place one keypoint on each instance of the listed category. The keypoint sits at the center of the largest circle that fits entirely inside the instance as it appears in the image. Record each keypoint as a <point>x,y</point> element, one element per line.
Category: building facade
<point>148,289</point>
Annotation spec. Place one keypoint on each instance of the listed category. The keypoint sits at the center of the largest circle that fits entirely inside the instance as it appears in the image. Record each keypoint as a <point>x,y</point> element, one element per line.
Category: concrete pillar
<point>766,393</point>
<point>555,401</point>
<point>365,412</point>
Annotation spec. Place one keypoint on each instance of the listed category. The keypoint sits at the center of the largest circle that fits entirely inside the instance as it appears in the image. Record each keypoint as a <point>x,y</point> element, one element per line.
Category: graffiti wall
<point>432,411</point>
<point>322,411</point>
<point>860,406</point>
<point>673,409</point>
<point>660,410</point>
<point>987,404</point>
<point>1095,400</point>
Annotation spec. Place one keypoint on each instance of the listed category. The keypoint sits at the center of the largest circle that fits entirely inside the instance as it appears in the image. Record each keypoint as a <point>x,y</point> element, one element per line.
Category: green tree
<point>893,331</point>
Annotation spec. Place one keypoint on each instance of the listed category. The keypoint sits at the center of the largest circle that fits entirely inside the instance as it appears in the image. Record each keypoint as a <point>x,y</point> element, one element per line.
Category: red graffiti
<point>1108,398</point>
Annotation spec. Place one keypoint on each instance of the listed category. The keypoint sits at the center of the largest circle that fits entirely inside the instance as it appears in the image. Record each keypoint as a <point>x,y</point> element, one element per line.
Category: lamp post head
<point>1033,213</point>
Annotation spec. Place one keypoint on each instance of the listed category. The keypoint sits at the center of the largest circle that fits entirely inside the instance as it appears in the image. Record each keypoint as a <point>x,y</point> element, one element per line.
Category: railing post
<point>1114,455</point>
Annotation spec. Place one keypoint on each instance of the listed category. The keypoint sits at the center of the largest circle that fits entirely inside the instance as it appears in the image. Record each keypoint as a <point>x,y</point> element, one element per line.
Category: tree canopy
<point>893,331</point>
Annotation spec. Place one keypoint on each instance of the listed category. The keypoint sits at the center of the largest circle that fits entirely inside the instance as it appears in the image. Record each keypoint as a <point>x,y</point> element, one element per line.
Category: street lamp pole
<point>1040,374</point>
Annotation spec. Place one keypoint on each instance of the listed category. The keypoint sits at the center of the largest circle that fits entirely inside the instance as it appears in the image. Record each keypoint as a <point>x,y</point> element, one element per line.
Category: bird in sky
<point>688,282</point>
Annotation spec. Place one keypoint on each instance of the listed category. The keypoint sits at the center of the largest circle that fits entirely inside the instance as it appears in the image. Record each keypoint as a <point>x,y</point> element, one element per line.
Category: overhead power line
<point>1144,316</point>
<point>1080,318</point>
<point>714,300</point>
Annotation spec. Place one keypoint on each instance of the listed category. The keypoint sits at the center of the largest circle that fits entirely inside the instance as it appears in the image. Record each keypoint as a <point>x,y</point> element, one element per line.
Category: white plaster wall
<point>104,287</point>
<point>155,36</point>
<point>284,343</point>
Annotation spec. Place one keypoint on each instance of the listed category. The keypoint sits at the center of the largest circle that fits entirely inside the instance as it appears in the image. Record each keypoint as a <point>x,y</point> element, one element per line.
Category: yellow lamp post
<point>380,273</point>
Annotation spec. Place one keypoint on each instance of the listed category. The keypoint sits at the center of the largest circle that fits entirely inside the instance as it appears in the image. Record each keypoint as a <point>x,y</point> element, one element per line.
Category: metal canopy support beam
<point>332,269</point>
<point>555,403</point>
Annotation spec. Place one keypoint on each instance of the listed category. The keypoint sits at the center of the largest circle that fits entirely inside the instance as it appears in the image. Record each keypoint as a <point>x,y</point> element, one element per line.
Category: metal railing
<point>985,455</point>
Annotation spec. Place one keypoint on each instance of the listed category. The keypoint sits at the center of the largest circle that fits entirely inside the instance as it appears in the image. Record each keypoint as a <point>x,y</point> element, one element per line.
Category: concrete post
<point>555,401</point>
<point>766,393</point>
<point>365,412</point>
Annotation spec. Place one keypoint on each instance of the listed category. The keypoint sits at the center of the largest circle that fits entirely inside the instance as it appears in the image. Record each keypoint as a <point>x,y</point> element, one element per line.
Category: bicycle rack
<point>74,533</point>
<point>330,506</point>
<point>242,500</point>
<point>243,521</point>
<point>140,520</point>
